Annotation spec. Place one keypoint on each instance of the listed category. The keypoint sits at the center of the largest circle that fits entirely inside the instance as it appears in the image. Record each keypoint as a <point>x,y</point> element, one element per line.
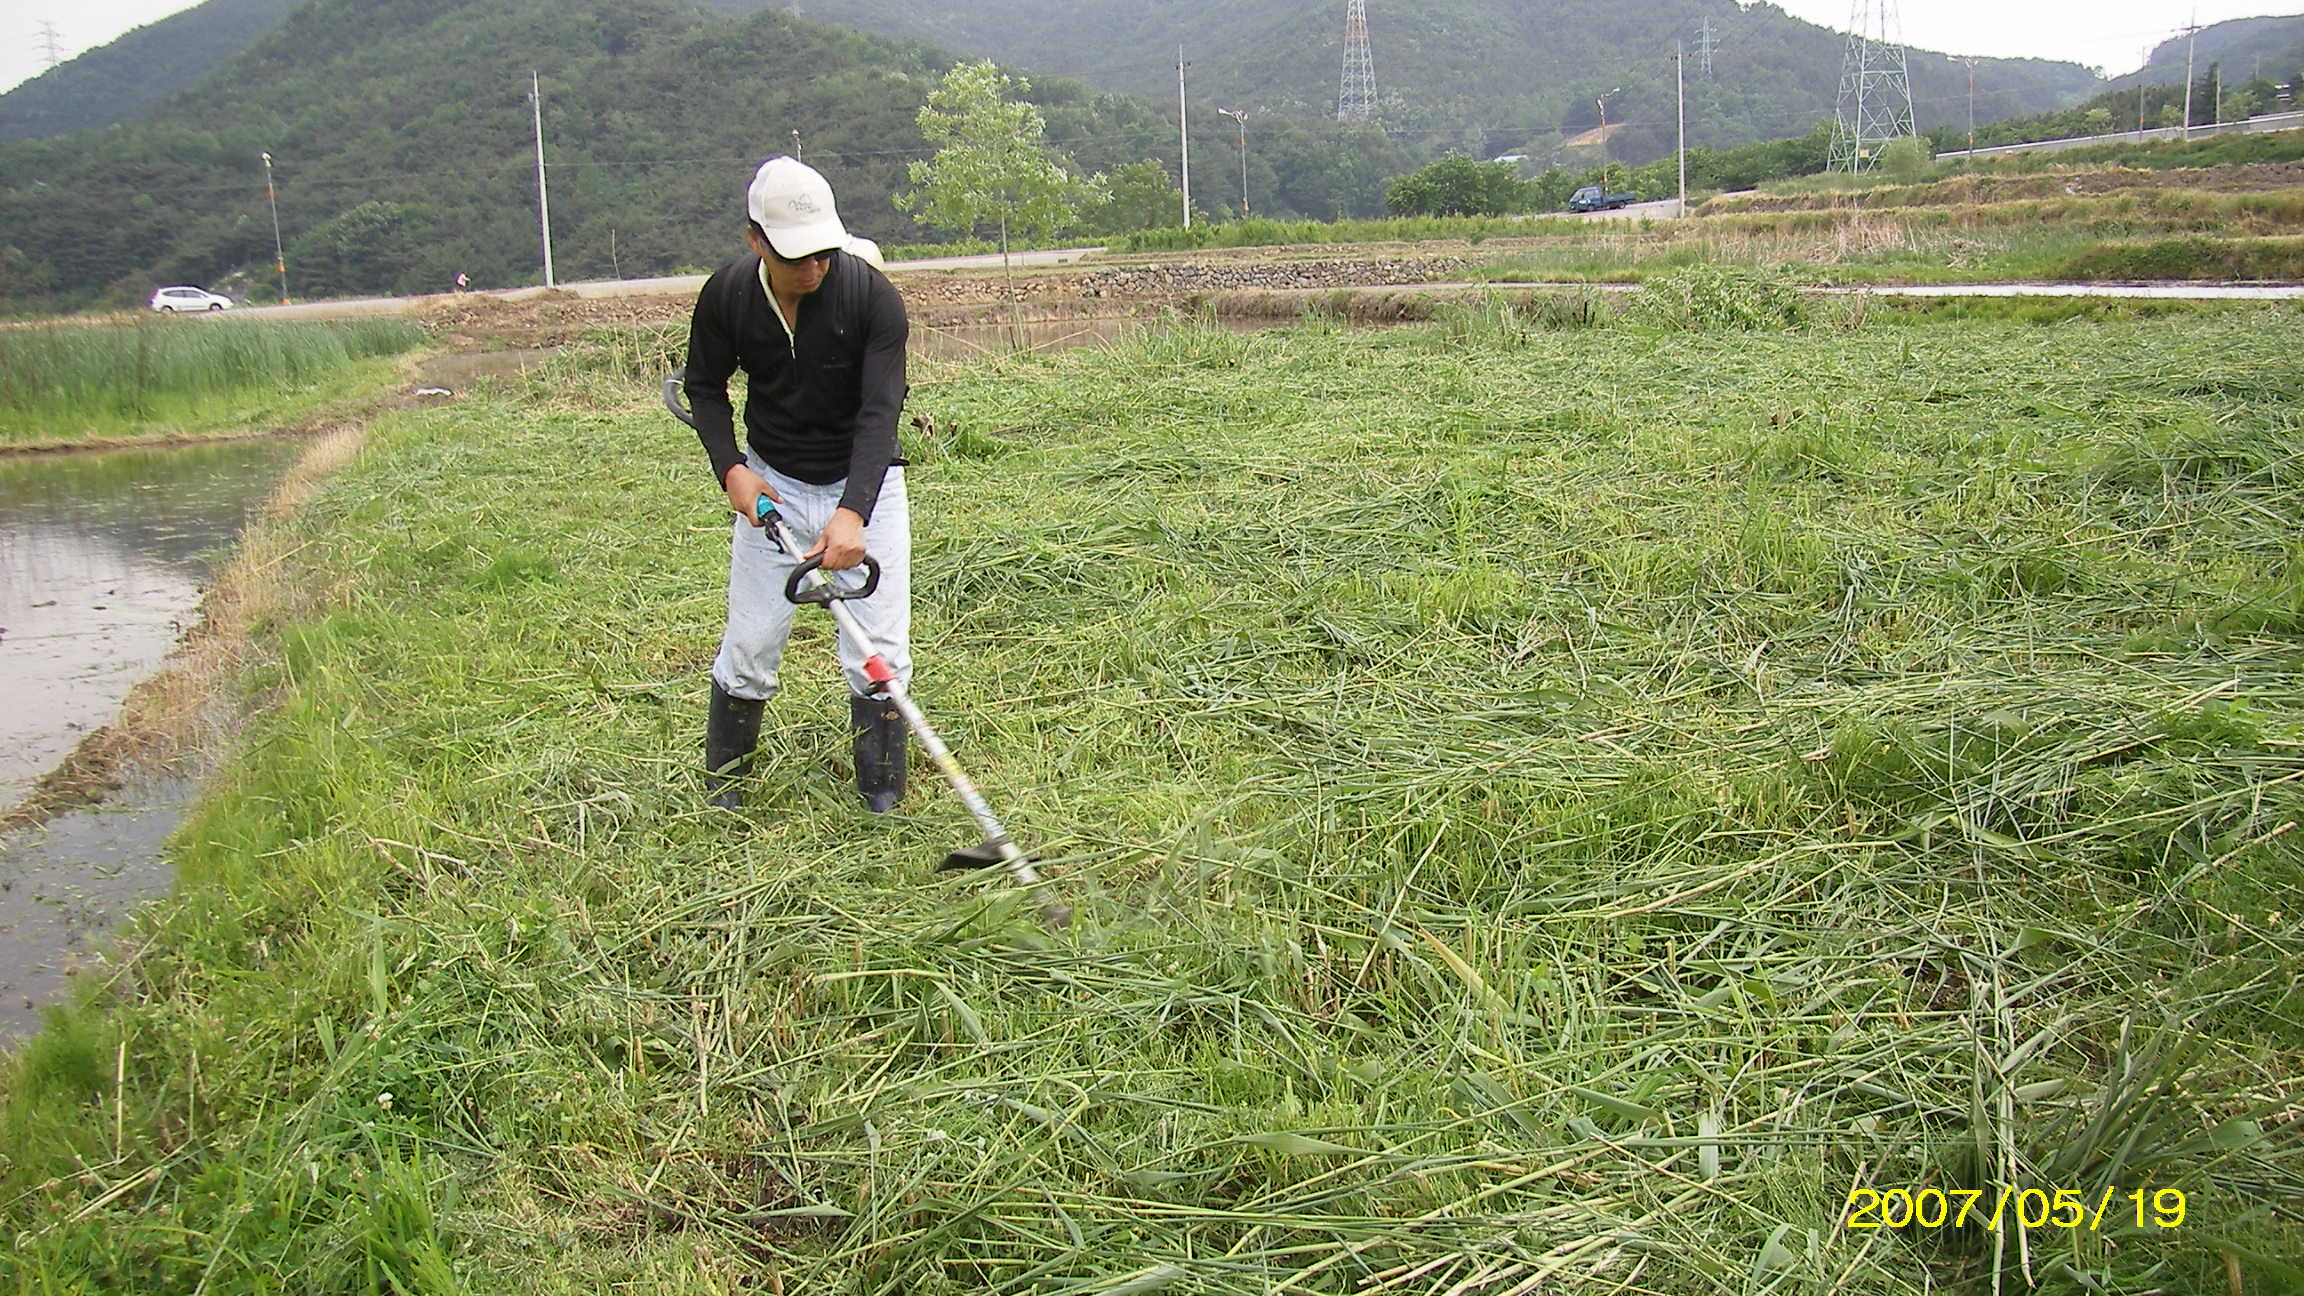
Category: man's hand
<point>842,544</point>
<point>745,487</point>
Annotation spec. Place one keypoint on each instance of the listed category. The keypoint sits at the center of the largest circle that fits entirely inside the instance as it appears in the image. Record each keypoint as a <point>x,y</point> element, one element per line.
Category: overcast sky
<point>2108,34</point>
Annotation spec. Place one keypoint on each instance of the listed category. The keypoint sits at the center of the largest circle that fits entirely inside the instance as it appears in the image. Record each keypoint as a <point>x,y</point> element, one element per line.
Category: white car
<point>188,299</point>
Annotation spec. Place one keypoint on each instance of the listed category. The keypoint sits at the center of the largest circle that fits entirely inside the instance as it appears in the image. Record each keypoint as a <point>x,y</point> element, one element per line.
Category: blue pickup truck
<point>1593,198</point>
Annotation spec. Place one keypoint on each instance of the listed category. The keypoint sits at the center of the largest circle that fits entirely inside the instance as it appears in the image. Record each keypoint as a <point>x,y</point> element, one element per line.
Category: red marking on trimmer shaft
<point>877,670</point>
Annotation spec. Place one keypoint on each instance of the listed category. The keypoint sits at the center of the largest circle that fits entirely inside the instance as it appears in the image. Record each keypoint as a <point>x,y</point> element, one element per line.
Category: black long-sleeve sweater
<point>821,401</point>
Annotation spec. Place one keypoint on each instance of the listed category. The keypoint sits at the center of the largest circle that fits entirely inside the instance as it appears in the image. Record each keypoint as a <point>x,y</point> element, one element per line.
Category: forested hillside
<point>1486,76</point>
<point>2238,68</point>
<point>2247,48</point>
<point>401,136</point>
<point>124,79</point>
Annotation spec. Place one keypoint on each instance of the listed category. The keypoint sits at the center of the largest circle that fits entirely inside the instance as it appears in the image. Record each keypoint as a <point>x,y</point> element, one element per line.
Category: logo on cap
<point>801,205</point>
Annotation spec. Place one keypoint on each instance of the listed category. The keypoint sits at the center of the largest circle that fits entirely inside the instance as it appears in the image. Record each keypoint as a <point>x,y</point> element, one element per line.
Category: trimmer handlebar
<point>825,591</point>
<point>672,385</point>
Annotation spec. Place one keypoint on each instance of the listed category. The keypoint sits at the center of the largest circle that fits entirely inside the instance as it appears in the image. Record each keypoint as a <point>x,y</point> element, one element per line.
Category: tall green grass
<point>65,379</point>
<point>1550,807</point>
<point>2279,259</point>
<point>2162,155</point>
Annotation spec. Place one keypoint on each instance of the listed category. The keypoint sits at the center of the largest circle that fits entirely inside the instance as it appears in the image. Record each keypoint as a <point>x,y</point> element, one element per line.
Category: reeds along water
<point>74,373</point>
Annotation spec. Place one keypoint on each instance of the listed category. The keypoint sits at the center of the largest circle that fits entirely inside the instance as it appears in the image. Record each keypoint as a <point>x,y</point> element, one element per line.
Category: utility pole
<point>2189,33</point>
<point>1241,118</point>
<point>279,257</point>
<point>2141,68</point>
<point>543,196</point>
<point>1680,83</point>
<point>1183,139</point>
<point>1603,102</point>
<point>1971,112</point>
<point>796,145</point>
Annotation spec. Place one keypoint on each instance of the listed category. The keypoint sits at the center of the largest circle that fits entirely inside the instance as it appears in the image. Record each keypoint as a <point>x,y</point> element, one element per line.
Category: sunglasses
<point>781,259</point>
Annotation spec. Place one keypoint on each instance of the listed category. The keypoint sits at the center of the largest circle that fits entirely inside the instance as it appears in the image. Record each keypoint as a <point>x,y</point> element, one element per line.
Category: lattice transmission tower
<point>1875,89</point>
<point>1356,97</point>
<point>1706,42</point>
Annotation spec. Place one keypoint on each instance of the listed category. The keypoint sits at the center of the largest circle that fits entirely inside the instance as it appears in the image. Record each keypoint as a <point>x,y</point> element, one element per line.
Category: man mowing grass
<point>820,334</point>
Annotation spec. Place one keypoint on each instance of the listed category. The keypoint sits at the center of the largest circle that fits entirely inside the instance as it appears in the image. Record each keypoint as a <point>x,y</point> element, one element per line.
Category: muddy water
<point>102,560</point>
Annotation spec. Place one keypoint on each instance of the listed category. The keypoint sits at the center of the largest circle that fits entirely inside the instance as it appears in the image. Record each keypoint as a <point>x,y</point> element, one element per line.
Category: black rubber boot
<point>879,732</point>
<point>731,731</point>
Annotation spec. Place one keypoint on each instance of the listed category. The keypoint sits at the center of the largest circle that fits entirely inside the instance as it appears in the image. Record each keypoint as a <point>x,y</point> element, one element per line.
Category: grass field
<point>1547,807</point>
<point>76,384</point>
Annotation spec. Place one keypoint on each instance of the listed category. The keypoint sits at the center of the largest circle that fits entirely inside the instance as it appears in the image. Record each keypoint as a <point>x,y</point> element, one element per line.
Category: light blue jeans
<point>760,617</point>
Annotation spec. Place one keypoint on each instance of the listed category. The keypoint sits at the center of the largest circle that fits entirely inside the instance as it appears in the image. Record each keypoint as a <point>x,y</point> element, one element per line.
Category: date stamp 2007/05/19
<point>2027,1208</point>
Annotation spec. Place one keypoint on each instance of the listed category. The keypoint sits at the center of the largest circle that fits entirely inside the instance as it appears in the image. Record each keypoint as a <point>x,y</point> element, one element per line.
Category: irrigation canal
<point>103,556</point>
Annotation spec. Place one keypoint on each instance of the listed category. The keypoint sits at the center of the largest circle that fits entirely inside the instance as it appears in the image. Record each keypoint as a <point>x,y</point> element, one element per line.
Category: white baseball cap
<point>791,202</point>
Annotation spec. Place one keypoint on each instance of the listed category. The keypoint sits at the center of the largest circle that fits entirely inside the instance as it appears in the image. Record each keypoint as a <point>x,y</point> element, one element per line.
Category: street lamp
<point>1971,159</point>
<point>1603,102</point>
<point>279,257</point>
<point>1242,119</point>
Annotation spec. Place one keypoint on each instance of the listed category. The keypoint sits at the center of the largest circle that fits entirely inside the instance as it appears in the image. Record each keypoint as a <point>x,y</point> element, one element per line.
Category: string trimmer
<point>809,584</point>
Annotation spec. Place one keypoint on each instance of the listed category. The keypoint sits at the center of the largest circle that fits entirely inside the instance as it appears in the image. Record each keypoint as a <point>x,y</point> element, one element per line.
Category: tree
<point>1458,186</point>
<point>369,247</point>
<point>1906,160</point>
<point>1141,195</point>
<point>992,165</point>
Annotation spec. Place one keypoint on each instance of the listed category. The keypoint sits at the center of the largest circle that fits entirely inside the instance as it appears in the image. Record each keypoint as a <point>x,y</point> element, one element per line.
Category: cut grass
<point>1554,804</point>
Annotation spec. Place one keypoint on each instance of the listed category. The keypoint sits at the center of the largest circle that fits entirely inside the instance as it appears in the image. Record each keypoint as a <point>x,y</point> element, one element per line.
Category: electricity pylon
<point>1356,96</point>
<point>1875,89</point>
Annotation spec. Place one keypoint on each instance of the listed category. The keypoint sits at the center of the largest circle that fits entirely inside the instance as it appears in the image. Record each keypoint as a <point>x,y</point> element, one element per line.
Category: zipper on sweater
<point>791,338</point>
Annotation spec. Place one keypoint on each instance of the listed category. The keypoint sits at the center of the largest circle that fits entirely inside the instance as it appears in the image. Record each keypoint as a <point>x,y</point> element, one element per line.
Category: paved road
<point>1661,209</point>
<point>2172,291</point>
<point>2181,291</point>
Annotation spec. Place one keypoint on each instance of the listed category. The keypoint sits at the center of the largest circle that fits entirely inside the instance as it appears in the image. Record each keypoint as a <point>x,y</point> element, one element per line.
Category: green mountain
<point>401,129</point>
<point>1488,76</point>
<point>1483,75</point>
<point>2247,48</point>
<point>401,134</point>
<point>130,76</point>
<point>2238,70</point>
